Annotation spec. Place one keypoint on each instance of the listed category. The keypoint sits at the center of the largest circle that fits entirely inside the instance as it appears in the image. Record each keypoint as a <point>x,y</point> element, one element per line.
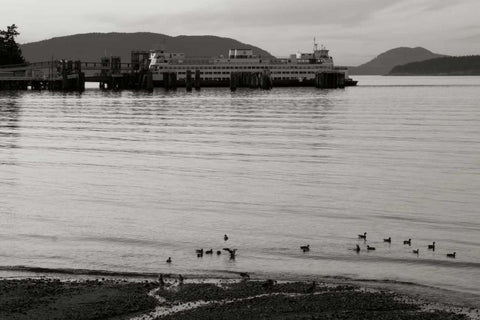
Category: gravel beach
<point>210,299</point>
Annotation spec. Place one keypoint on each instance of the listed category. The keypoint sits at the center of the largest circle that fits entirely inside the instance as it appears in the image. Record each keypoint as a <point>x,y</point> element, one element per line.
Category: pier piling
<point>188,81</point>
<point>329,80</point>
<point>197,79</point>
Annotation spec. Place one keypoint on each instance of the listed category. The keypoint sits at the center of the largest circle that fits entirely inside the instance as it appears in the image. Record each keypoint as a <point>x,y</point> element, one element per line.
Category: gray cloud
<point>270,13</point>
<point>354,30</point>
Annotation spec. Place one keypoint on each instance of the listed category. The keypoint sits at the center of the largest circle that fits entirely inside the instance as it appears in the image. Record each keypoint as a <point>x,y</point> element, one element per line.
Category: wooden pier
<point>112,74</point>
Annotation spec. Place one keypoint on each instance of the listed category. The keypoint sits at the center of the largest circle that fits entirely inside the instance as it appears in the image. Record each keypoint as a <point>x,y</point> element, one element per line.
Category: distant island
<point>92,46</point>
<point>385,62</point>
<point>467,65</point>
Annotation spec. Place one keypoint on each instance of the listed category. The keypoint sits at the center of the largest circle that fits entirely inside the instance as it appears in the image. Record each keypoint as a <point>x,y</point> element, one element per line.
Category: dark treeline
<point>466,65</point>
<point>10,52</point>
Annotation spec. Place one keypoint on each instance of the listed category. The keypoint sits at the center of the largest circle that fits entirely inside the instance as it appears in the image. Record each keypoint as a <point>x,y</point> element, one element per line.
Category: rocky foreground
<point>112,299</point>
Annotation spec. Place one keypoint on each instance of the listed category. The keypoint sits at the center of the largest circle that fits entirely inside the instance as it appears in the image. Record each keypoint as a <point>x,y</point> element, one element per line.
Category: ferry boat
<point>298,69</point>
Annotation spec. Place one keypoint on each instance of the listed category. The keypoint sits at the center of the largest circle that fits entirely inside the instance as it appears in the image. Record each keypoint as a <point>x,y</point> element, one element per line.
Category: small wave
<point>418,85</point>
<point>124,240</point>
<point>429,262</point>
<point>39,236</point>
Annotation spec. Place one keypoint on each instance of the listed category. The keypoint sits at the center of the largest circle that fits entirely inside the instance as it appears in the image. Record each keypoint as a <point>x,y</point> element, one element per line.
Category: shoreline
<point>90,285</point>
<point>444,295</point>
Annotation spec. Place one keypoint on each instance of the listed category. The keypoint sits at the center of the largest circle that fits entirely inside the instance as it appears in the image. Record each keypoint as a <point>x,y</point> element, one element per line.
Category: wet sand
<point>212,299</point>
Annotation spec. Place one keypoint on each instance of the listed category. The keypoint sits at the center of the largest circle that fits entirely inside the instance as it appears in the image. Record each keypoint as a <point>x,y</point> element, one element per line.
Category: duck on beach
<point>268,284</point>
<point>160,280</point>
<point>363,236</point>
<point>244,275</point>
<point>305,248</point>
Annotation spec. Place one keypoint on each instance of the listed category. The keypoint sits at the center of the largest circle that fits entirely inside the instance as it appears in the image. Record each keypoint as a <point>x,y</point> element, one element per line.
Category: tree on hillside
<point>10,52</point>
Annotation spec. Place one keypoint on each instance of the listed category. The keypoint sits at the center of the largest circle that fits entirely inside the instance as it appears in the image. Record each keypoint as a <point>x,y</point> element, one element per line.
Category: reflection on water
<point>9,118</point>
<point>122,180</point>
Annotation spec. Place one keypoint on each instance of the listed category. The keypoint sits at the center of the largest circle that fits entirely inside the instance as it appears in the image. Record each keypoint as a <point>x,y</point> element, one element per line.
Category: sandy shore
<point>213,299</point>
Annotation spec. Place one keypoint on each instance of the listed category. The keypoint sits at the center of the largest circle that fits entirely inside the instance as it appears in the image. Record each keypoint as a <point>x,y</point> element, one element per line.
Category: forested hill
<point>466,65</point>
<point>92,46</point>
<point>384,62</point>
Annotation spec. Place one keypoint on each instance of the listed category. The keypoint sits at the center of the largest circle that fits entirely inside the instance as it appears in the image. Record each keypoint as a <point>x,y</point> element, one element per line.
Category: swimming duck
<point>389,240</point>
<point>357,248</point>
<point>370,248</point>
<point>169,260</point>
<point>209,251</point>
<point>416,251</point>
<point>409,242</point>
<point>451,255</point>
<point>219,252</point>
<point>363,236</point>
<point>432,246</point>
<point>233,253</point>
<point>225,238</point>
<point>305,248</point>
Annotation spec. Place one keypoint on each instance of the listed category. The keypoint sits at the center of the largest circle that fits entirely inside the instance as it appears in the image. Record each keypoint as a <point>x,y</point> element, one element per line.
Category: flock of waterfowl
<point>201,252</point>
<point>405,242</point>
<point>306,248</point>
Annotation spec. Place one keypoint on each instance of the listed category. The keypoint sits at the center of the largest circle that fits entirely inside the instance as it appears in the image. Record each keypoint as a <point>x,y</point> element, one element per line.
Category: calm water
<point>122,180</point>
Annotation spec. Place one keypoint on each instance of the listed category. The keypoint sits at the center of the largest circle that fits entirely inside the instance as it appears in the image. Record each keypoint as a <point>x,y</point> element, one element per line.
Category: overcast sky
<point>354,30</point>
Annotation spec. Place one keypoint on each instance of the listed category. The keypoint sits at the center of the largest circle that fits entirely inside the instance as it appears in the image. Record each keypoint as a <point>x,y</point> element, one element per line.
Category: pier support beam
<point>197,79</point>
<point>189,81</point>
<point>253,80</point>
<point>329,80</point>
